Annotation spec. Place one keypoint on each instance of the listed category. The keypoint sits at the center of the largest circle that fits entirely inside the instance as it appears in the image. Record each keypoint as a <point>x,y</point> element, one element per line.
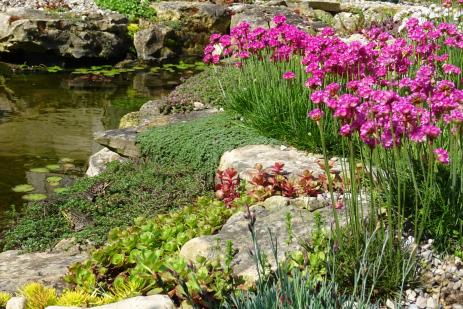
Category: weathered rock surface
<point>182,29</point>
<point>16,269</point>
<point>156,43</point>
<point>262,16</point>
<point>270,217</point>
<point>326,5</point>
<point>16,303</point>
<point>139,302</point>
<point>33,33</point>
<point>245,158</point>
<point>98,161</point>
<point>123,141</point>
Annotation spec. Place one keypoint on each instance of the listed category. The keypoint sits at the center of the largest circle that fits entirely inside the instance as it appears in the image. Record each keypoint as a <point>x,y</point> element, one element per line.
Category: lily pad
<point>23,188</point>
<point>54,179</point>
<point>66,160</point>
<point>33,197</point>
<point>53,167</point>
<point>40,170</point>
<point>54,184</point>
<point>60,190</point>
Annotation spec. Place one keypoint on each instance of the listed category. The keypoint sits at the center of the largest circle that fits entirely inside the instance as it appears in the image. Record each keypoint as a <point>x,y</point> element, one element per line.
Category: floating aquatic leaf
<point>66,160</point>
<point>60,190</point>
<point>54,184</point>
<point>53,167</point>
<point>54,179</point>
<point>39,170</point>
<point>23,188</point>
<point>34,197</point>
<point>54,69</point>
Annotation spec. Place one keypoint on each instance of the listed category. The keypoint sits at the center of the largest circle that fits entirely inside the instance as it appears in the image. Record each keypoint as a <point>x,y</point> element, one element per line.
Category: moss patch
<point>113,199</point>
<point>200,143</point>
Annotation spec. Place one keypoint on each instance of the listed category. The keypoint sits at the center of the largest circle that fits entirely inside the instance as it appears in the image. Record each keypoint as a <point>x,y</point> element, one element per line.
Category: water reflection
<point>44,117</point>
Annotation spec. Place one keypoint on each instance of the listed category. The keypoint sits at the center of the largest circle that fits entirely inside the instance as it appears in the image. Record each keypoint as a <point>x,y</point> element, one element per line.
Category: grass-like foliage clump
<point>200,143</point>
<point>276,107</point>
<point>112,199</point>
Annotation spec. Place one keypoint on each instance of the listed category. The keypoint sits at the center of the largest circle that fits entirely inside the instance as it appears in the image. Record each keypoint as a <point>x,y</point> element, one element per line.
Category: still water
<point>47,117</point>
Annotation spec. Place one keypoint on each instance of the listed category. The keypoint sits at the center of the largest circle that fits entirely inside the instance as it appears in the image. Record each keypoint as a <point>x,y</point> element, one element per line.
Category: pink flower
<point>289,75</point>
<point>451,69</point>
<point>316,114</point>
<point>345,130</point>
<point>279,19</point>
<point>442,155</point>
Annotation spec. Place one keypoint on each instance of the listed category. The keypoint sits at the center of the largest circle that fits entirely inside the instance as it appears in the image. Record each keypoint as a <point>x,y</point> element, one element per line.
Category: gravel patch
<point>76,6</point>
<point>441,281</point>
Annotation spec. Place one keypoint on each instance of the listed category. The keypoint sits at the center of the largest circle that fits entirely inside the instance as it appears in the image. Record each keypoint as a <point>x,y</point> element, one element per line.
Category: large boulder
<point>121,141</point>
<point>182,29</point>
<point>244,160</point>
<point>271,217</point>
<point>258,15</point>
<point>35,35</point>
<point>139,302</point>
<point>156,43</point>
<point>48,268</point>
<point>98,161</point>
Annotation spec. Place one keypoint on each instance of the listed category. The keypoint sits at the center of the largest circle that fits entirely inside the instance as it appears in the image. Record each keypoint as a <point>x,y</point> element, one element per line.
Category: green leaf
<point>33,197</point>
<point>23,188</point>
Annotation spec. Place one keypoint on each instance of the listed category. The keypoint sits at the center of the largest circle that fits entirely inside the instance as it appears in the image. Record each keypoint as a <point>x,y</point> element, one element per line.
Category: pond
<point>48,119</point>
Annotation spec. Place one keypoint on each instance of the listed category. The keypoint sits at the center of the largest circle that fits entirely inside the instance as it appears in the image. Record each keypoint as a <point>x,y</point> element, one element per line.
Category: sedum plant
<point>144,258</point>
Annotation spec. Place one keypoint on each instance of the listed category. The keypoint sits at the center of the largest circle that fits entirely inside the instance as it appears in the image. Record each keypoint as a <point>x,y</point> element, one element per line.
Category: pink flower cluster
<point>389,89</point>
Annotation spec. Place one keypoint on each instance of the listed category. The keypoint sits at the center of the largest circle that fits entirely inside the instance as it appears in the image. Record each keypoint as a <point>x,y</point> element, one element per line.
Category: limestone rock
<point>324,16</point>
<point>150,110</point>
<point>154,43</point>
<point>347,22</point>
<point>192,22</point>
<point>16,303</point>
<point>121,141</point>
<point>129,120</point>
<point>41,36</point>
<point>245,158</point>
<point>16,269</point>
<point>124,141</point>
<point>325,5</point>
<point>98,161</point>
<point>139,302</point>
<point>270,216</point>
<point>262,16</point>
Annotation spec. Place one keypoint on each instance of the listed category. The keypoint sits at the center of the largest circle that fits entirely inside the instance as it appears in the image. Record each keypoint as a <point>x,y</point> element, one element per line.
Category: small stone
<point>16,303</point>
<point>411,295</point>
<point>412,306</point>
<point>197,106</point>
<point>390,304</point>
<point>427,255</point>
<point>456,306</point>
<point>421,302</point>
<point>431,303</point>
<point>457,285</point>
